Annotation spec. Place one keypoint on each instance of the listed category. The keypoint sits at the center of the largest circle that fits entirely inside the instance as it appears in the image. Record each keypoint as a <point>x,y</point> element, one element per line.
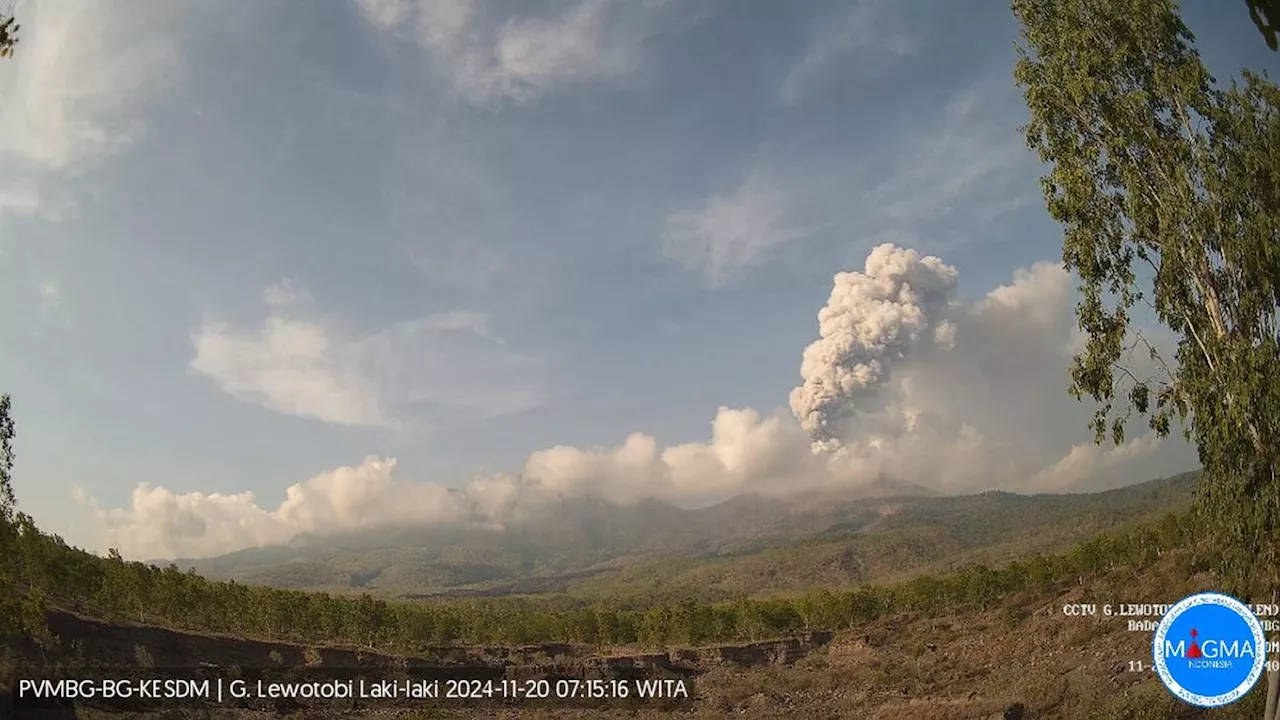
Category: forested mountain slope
<point>747,544</point>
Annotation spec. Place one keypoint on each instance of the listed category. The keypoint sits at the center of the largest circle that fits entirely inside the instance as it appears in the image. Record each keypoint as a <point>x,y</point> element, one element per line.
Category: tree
<point>7,500</point>
<point>1168,189</point>
<point>9,566</point>
<point>8,35</point>
<point>1266,15</point>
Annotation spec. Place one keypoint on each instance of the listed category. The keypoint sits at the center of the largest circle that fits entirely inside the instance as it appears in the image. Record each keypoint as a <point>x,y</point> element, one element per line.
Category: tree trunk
<point>1273,685</point>
<point>1273,657</point>
<point>1273,675</point>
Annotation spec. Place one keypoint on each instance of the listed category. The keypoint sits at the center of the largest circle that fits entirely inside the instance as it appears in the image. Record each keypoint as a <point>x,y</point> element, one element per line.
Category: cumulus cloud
<point>1086,462</point>
<point>290,366</point>
<point>519,59</point>
<point>161,523</point>
<point>905,382</point>
<point>746,452</point>
<point>731,232</point>
<point>306,367</point>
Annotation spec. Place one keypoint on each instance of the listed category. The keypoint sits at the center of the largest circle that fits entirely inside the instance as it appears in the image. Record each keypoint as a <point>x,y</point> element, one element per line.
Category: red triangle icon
<point>1193,652</point>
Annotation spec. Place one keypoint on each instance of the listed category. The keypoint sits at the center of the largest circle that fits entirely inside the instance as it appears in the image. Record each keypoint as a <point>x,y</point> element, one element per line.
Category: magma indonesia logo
<point>1209,649</point>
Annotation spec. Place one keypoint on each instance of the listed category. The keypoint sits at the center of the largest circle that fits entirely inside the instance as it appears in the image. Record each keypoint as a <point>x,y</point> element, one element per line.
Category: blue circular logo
<point>1209,649</point>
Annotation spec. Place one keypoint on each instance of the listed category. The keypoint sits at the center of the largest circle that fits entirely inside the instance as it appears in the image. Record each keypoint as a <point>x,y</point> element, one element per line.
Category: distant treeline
<point>46,572</point>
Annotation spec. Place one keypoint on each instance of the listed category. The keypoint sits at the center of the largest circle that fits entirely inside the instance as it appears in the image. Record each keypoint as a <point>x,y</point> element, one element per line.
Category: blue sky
<point>244,244</point>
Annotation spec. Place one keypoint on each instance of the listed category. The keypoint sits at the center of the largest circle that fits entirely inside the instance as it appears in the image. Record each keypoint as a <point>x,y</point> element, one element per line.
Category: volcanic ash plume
<point>873,319</point>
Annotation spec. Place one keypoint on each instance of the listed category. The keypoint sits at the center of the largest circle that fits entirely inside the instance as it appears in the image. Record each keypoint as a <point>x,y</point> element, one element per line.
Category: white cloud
<point>305,367</point>
<point>291,366</point>
<point>868,34</point>
<point>746,452</point>
<point>987,409</point>
<point>731,233</point>
<point>1088,462</point>
<point>71,88</point>
<point>1039,295</point>
<point>521,59</point>
<point>161,523</point>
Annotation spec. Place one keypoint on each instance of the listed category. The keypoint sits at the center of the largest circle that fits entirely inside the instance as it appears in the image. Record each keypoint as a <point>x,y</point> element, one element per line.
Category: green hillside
<point>921,535</point>
<point>906,619</point>
<point>746,545</point>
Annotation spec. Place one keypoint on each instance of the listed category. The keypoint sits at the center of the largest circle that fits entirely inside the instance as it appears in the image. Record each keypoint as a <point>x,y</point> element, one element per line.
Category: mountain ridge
<point>744,544</point>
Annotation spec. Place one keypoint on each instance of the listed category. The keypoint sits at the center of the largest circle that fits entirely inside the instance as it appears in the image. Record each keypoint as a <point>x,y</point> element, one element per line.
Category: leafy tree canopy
<point>1168,189</point>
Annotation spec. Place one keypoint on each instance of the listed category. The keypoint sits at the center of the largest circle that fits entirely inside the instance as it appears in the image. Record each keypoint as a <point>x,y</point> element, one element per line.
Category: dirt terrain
<point>133,645</point>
